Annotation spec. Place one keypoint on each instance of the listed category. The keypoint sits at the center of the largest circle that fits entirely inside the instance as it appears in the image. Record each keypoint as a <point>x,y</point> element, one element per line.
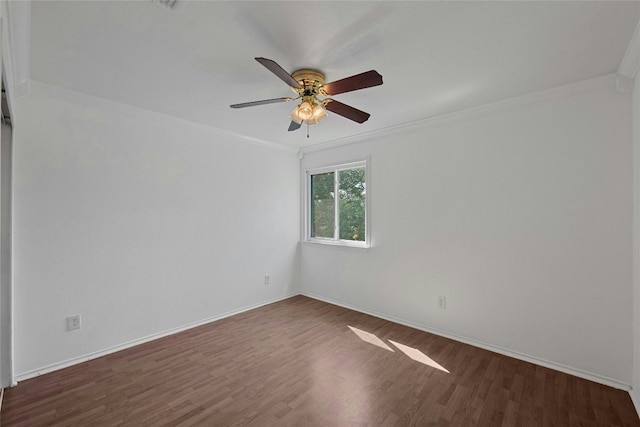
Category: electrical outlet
<point>73,322</point>
<point>267,279</point>
<point>442,302</point>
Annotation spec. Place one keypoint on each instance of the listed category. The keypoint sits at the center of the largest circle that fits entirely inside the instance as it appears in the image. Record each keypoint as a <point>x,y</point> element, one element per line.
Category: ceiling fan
<point>313,92</point>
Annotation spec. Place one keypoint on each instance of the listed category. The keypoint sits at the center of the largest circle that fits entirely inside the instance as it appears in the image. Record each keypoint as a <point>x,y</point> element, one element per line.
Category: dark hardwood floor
<point>302,362</point>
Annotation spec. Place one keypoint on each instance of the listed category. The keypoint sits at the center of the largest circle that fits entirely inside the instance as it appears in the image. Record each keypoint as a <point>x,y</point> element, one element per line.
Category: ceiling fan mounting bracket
<point>307,74</point>
<point>310,80</point>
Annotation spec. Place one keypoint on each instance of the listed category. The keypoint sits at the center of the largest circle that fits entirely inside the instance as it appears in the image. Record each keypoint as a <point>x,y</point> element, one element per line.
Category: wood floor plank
<point>300,362</point>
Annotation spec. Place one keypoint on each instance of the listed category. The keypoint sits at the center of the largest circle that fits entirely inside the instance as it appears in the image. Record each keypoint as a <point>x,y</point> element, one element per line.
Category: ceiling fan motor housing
<point>310,80</point>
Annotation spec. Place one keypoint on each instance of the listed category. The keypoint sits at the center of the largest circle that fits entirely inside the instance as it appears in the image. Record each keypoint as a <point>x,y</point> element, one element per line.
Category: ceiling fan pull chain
<point>307,121</point>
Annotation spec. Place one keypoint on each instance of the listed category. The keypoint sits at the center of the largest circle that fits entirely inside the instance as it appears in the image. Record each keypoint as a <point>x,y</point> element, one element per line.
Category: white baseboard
<point>516,355</point>
<point>496,349</point>
<point>635,398</point>
<point>74,361</point>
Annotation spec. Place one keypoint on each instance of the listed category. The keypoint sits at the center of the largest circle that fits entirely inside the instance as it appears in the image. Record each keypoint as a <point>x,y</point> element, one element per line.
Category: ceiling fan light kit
<point>308,112</point>
<point>311,89</point>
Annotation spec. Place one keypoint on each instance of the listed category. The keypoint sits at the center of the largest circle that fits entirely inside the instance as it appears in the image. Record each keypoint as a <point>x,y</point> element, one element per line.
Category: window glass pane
<point>352,196</point>
<point>322,205</point>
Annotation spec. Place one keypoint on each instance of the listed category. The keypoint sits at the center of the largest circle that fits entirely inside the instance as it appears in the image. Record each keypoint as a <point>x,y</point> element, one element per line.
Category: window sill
<point>338,243</point>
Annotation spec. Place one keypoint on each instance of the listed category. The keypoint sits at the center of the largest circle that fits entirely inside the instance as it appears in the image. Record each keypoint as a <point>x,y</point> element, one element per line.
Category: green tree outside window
<point>350,187</point>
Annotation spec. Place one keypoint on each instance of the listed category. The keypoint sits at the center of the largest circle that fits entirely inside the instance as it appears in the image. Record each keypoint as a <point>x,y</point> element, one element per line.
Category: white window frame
<point>336,241</point>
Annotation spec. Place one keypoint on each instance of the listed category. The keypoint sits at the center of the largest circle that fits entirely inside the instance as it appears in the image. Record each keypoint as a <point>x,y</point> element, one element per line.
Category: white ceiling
<point>435,57</point>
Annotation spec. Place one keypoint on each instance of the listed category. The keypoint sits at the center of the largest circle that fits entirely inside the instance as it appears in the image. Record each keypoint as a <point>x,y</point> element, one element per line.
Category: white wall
<point>635,392</point>
<point>6,365</point>
<point>141,224</point>
<point>519,213</point>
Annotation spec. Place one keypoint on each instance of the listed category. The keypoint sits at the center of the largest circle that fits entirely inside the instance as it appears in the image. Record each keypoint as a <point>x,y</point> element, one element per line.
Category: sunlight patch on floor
<point>418,356</point>
<point>370,338</point>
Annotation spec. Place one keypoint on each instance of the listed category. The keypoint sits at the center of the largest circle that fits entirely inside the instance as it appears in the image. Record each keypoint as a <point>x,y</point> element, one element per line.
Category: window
<point>337,205</point>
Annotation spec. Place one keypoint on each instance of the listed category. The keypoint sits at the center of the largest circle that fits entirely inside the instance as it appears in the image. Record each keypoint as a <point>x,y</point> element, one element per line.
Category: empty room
<point>320,213</point>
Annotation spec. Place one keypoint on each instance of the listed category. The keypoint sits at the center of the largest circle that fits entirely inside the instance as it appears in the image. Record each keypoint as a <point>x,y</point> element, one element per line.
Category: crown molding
<point>605,81</point>
<point>16,24</point>
<point>609,80</point>
<point>17,28</point>
<point>37,87</point>
<point>631,60</point>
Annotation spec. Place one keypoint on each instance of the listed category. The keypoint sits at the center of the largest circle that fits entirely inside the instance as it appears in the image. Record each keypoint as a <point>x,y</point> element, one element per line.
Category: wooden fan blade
<point>359,81</point>
<point>294,126</point>
<point>347,111</point>
<point>280,72</point>
<point>263,102</point>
